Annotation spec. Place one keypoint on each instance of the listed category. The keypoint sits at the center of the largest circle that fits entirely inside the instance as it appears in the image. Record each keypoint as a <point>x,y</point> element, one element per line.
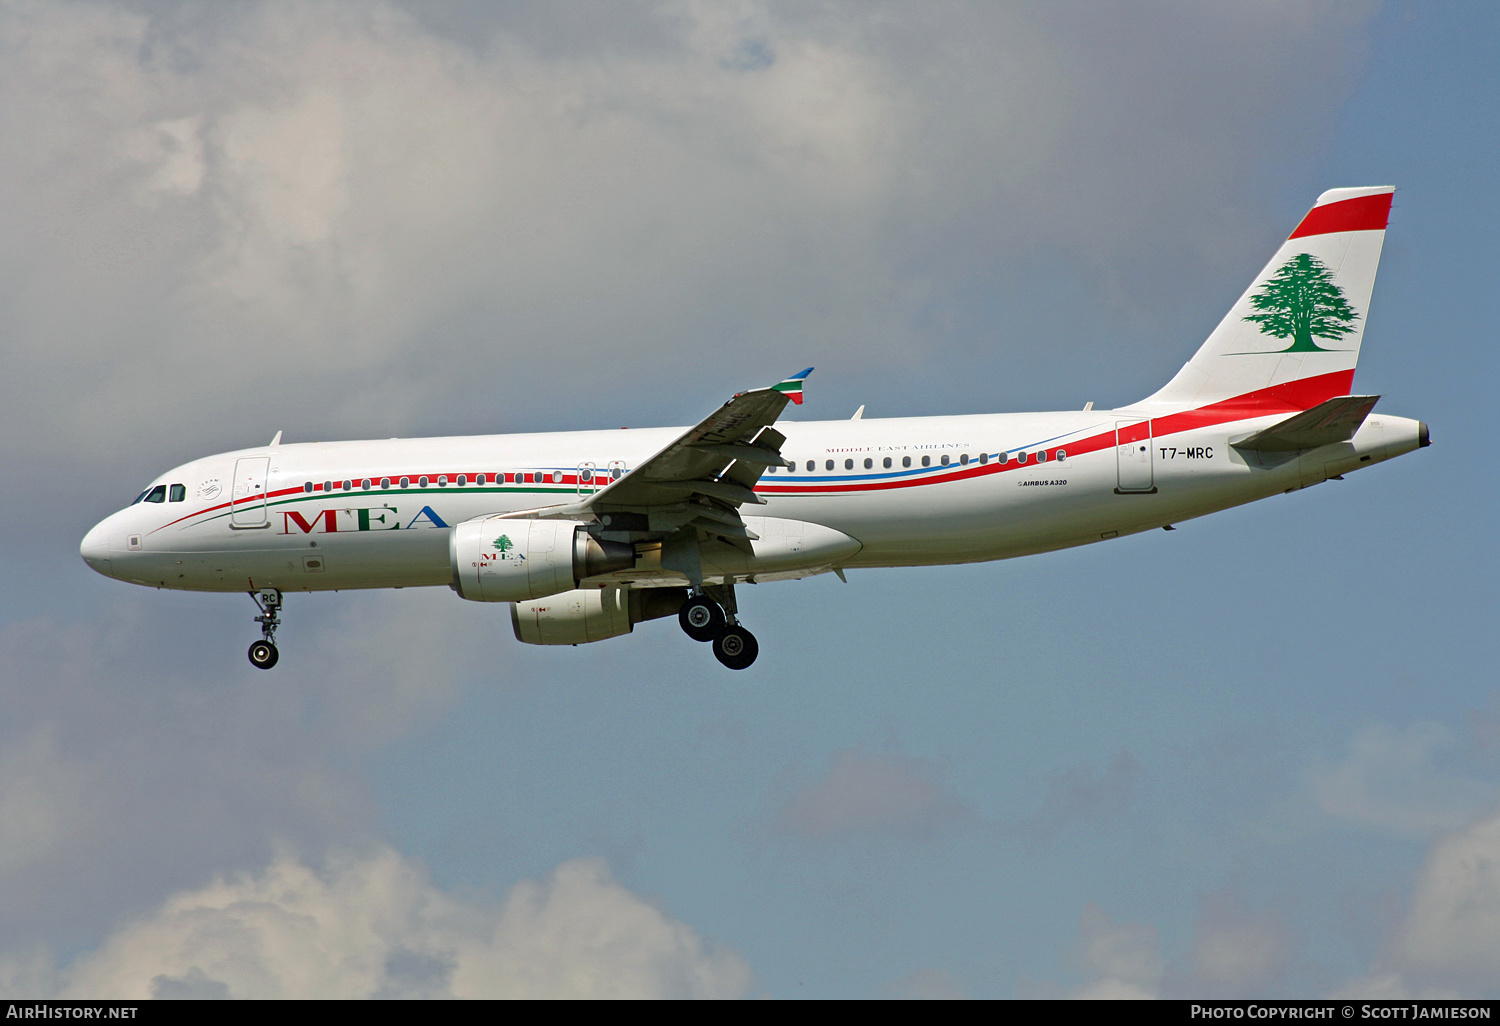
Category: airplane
<point>586,534</point>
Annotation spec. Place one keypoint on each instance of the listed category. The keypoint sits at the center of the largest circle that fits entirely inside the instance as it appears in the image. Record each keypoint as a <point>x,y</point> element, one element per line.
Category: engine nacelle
<point>496,559</point>
<point>591,614</point>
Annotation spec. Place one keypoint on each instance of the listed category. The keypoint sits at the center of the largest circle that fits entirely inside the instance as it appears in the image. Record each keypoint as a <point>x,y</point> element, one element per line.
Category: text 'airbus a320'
<point>588,533</point>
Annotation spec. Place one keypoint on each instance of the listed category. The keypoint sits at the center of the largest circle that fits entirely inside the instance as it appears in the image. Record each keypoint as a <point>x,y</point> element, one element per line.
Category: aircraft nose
<point>95,549</point>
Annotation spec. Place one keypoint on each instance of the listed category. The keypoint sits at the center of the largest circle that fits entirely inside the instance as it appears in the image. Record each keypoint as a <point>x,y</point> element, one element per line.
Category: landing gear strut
<point>711,615</point>
<point>263,654</point>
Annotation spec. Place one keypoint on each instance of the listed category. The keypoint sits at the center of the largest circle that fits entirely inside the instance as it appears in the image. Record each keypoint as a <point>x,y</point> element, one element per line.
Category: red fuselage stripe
<point>1288,398</point>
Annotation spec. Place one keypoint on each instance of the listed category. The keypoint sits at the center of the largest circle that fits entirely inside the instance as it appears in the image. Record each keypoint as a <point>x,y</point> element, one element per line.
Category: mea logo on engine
<point>504,550</point>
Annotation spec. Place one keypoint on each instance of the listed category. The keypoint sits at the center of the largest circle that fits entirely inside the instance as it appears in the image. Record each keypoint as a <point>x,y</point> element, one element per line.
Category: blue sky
<point>1258,755</point>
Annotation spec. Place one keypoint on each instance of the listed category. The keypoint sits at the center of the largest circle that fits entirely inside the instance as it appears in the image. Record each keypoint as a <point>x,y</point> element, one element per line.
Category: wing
<point>701,479</point>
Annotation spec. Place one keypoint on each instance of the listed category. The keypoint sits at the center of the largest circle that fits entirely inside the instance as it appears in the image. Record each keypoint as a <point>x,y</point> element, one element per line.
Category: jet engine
<point>591,614</point>
<point>499,560</point>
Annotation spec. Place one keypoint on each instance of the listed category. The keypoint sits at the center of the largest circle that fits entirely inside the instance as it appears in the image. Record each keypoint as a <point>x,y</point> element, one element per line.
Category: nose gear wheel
<point>263,655</point>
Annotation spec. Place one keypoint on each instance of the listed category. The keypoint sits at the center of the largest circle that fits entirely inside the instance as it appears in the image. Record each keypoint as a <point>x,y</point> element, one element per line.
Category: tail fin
<point>1292,340</point>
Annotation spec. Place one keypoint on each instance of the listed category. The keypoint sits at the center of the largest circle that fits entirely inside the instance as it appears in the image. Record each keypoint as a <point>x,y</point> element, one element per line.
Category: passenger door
<point>249,493</point>
<point>1133,456</point>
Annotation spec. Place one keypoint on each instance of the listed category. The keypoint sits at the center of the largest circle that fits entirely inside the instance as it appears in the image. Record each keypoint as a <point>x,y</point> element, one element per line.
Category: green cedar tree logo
<point>504,544</point>
<point>1301,301</point>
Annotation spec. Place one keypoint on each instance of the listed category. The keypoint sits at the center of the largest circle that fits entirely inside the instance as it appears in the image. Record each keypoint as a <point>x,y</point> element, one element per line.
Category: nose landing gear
<point>263,653</point>
<point>705,619</point>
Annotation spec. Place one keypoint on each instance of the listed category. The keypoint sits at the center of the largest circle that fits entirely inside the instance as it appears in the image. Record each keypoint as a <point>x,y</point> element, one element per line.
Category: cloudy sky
<point>1260,755</point>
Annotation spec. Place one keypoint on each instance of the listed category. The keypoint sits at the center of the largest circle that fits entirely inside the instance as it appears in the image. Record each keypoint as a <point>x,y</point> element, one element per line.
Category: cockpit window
<point>178,493</point>
<point>157,494</point>
<point>141,496</point>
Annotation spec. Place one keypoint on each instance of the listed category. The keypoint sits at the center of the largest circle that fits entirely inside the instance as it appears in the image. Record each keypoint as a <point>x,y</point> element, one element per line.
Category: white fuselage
<point>332,515</point>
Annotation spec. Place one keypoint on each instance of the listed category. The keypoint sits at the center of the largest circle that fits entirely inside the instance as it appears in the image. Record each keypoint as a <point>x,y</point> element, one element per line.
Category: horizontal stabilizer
<point>1335,420</point>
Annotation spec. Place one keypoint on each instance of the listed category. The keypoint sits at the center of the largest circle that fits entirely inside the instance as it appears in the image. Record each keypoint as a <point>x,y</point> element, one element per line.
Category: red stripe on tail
<point>1361,214</point>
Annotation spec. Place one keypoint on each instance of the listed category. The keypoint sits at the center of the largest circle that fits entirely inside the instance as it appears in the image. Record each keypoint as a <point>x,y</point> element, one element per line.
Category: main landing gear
<point>263,654</point>
<point>705,619</point>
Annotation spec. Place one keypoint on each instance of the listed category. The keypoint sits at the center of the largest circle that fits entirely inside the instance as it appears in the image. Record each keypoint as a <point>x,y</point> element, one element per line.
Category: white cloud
<point>864,793</point>
<point>229,214</point>
<point>139,750</point>
<point>1448,945</point>
<point>1393,781</point>
<point>1123,960</point>
<point>1237,951</point>
<point>375,926</point>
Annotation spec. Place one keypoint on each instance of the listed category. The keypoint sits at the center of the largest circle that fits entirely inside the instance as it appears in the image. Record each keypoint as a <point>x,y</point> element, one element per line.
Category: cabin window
<point>442,480</point>
<point>348,485</point>
<point>869,463</point>
<point>811,466</point>
<point>1062,454</point>
<point>1003,458</point>
<point>614,473</point>
<point>945,460</point>
<point>480,479</point>
<point>964,460</point>
<point>828,465</point>
<point>463,479</point>
<point>405,482</point>
<point>1021,456</point>
<point>984,458</point>
<point>328,486</point>
<point>365,484</point>
<point>1041,457</point>
<point>906,461</point>
<point>926,461</point>
<point>848,464</point>
<point>385,482</point>
<point>307,487</point>
<point>771,469</point>
<point>887,462</point>
<point>422,481</point>
<point>157,494</point>
<point>178,493</point>
<point>557,477</point>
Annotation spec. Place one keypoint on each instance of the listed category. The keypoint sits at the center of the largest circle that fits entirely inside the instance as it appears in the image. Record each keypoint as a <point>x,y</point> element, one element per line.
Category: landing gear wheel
<point>736,647</point>
<point>263,655</point>
<point>701,618</point>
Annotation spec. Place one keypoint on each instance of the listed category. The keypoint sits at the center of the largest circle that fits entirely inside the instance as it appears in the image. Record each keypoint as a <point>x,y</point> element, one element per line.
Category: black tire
<point>263,655</point>
<point>701,618</point>
<point>736,648</point>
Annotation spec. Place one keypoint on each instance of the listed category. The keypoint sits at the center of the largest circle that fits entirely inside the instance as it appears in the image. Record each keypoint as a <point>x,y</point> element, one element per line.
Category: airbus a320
<point>586,534</point>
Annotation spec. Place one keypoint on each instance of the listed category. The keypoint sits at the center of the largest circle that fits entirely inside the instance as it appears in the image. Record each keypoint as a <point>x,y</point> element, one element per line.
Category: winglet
<point>792,386</point>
